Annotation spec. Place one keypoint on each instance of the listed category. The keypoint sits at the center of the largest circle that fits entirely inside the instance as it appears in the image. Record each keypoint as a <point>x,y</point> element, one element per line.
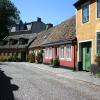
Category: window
<point>23,41</point>
<point>68,53</point>
<point>50,52</point>
<point>85,12</point>
<point>98,8</point>
<point>47,51</point>
<point>98,42</point>
<point>62,52</point>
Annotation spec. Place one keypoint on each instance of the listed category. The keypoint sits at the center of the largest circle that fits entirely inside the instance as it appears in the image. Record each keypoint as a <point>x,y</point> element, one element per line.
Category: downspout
<point>74,56</point>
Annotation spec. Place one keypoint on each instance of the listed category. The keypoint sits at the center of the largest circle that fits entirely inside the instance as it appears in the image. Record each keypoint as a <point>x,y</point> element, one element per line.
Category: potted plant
<point>98,60</point>
<point>98,65</point>
<point>39,57</point>
<point>56,62</point>
<point>31,58</point>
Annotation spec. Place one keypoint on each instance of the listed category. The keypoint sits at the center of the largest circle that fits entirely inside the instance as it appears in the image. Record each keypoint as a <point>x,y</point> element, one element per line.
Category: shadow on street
<point>6,88</point>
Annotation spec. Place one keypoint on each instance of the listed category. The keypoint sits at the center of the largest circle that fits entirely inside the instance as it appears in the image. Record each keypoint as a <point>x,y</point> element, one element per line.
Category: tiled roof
<point>55,35</point>
<point>30,38</point>
<point>40,38</point>
<point>64,31</point>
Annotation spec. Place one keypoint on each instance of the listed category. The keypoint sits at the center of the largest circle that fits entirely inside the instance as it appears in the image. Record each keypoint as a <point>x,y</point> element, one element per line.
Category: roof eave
<point>57,43</point>
<point>79,2</point>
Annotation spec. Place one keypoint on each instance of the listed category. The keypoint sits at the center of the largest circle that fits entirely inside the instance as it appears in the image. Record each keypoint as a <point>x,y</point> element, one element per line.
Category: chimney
<point>49,26</point>
<point>38,19</point>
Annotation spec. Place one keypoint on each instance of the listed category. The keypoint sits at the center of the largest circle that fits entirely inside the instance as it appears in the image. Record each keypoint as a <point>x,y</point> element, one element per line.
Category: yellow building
<point>88,31</point>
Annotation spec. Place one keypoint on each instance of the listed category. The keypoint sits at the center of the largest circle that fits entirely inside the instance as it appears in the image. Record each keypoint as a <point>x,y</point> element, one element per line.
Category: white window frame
<point>69,58</point>
<point>82,13</point>
<point>63,53</point>
<point>46,53</point>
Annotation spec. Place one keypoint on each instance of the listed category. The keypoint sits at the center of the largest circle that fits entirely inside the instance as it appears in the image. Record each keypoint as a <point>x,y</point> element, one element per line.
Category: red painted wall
<point>47,59</point>
<point>63,62</point>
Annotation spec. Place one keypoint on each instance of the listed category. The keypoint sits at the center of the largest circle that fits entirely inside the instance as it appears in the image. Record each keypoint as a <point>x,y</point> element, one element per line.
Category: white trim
<point>90,40</point>
<point>60,53</point>
<point>69,59</point>
<point>82,13</point>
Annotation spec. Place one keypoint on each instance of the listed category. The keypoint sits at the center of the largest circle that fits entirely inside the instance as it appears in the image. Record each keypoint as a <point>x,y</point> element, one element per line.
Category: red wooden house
<point>62,43</point>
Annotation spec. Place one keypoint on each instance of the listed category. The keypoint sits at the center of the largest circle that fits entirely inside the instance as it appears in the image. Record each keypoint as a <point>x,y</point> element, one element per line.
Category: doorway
<point>86,55</point>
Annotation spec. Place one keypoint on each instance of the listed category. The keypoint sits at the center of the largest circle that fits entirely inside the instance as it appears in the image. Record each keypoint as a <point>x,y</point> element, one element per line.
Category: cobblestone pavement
<point>25,82</point>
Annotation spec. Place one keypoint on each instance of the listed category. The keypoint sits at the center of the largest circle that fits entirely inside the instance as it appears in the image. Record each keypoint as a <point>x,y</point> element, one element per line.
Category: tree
<point>9,16</point>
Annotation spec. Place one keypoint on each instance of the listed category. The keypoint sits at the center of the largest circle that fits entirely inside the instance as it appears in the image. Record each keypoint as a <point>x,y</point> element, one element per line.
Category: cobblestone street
<point>20,81</point>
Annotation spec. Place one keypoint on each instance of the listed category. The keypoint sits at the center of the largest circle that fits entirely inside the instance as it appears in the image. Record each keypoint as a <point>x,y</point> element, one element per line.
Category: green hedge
<point>10,59</point>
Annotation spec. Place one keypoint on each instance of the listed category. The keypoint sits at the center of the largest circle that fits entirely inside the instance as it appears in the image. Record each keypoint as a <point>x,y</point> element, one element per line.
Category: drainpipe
<point>74,57</point>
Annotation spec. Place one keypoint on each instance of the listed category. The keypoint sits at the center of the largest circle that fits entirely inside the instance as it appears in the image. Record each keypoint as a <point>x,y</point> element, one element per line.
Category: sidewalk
<point>66,73</point>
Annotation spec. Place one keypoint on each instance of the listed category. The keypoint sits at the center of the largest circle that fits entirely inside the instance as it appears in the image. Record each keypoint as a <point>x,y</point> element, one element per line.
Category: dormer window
<point>3,43</point>
<point>98,8</point>
<point>23,41</point>
<point>12,41</point>
<point>85,12</point>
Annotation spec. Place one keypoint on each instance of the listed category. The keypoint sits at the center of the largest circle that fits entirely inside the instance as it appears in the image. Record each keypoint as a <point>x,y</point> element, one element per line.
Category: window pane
<point>62,52</point>
<point>68,52</point>
<point>98,8</point>
<point>50,52</point>
<point>98,43</point>
<point>85,12</point>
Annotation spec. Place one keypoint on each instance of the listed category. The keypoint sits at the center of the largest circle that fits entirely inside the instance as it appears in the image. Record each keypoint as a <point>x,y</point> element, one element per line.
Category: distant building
<point>32,27</point>
<point>20,38</point>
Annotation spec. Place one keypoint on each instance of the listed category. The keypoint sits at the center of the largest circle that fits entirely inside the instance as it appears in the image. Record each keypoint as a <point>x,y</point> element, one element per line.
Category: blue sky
<point>51,11</point>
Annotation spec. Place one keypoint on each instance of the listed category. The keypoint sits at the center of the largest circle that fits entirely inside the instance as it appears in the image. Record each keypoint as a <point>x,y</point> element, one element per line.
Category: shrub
<point>31,58</point>
<point>39,57</point>
<point>9,58</point>
<point>56,62</point>
<point>98,60</point>
<point>13,58</point>
<point>3,59</point>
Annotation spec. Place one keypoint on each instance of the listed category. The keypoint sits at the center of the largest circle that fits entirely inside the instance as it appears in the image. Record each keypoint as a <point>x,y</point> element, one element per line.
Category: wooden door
<point>86,56</point>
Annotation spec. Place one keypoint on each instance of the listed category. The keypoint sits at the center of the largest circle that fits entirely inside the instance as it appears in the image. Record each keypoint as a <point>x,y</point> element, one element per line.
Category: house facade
<point>20,38</point>
<point>87,32</point>
<point>65,50</point>
<point>61,44</point>
<point>36,45</point>
<point>16,45</point>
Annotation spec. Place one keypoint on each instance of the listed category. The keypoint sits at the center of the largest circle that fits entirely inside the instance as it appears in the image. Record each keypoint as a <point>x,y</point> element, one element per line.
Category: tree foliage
<point>9,15</point>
